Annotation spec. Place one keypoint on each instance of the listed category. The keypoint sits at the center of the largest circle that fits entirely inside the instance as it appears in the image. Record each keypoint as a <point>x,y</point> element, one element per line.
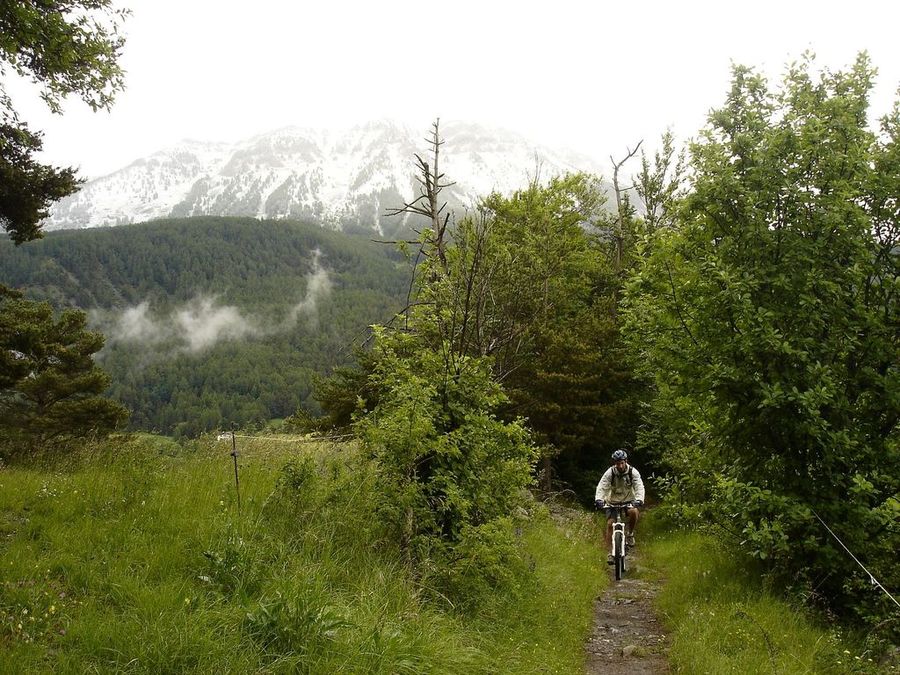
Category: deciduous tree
<point>769,316</point>
<point>66,47</point>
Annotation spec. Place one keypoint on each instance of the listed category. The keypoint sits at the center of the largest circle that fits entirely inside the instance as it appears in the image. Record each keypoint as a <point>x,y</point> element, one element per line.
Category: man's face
<point>620,465</point>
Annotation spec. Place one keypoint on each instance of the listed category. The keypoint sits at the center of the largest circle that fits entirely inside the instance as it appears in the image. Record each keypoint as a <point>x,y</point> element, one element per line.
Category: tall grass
<point>723,619</point>
<point>131,556</point>
<point>543,628</point>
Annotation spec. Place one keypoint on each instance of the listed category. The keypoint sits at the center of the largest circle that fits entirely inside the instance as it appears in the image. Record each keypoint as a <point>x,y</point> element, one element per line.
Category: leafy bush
<point>234,569</point>
<point>296,490</point>
<point>767,320</point>
<point>448,470</point>
<point>487,557</point>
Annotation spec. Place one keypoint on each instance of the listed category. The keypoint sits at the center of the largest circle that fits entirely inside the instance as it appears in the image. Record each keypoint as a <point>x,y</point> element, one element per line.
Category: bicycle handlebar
<point>618,505</point>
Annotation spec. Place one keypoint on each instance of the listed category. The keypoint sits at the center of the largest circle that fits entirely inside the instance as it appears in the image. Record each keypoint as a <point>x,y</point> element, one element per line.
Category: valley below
<point>211,322</point>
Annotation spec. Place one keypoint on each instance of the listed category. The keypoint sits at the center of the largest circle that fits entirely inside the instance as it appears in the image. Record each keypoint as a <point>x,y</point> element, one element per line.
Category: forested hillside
<point>211,321</point>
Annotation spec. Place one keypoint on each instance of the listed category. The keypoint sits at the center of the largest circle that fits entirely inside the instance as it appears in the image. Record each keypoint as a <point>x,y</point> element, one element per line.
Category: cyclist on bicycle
<point>620,483</point>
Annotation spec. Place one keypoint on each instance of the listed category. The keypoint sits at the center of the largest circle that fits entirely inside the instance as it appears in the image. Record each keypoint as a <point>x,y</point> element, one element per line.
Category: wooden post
<point>237,484</point>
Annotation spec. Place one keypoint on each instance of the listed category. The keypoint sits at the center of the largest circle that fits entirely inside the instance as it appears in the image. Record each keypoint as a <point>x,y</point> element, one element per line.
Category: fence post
<point>237,484</point>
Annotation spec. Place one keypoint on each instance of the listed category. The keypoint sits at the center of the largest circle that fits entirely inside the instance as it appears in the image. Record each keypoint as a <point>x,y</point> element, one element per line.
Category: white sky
<point>593,76</point>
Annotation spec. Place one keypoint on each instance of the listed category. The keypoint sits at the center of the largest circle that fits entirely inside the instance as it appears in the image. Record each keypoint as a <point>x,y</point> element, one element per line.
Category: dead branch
<point>620,208</point>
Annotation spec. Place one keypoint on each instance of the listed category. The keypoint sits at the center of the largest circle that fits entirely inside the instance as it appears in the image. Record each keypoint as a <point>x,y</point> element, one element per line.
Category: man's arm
<point>638,486</point>
<point>604,486</point>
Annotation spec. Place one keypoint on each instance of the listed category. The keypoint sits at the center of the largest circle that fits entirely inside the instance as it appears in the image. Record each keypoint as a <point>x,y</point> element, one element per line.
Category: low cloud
<point>194,327</point>
<point>318,286</point>
<point>202,322</point>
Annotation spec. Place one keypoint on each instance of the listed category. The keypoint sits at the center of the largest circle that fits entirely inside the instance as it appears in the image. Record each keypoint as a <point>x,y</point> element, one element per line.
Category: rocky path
<point>628,638</point>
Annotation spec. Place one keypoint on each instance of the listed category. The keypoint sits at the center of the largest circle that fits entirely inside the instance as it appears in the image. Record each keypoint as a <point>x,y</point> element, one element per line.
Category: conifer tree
<point>50,388</point>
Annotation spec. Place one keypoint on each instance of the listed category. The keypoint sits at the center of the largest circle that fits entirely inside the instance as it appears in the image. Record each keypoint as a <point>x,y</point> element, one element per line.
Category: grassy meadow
<point>131,556</point>
<point>723,619</point>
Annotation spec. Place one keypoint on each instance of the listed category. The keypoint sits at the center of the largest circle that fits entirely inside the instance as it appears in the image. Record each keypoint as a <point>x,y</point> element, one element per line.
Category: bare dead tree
<point>619,233</point>
<point>428,203</point>
<point>535,179</point>
<point>433,249</point>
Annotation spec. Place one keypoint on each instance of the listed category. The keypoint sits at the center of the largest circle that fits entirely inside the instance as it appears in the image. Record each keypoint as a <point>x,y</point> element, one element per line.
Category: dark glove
<point>599,504</point>
<point>638,503</point>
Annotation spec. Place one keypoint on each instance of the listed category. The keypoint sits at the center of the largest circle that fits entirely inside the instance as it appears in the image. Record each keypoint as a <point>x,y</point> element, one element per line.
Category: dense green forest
<point>213,321</point>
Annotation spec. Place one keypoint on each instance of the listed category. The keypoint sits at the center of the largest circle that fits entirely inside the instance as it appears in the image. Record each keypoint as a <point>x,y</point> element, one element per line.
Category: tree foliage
<point>767,318</point>
<point>528,281</point>
<point>519,297</point>
<point>550,285</point>
<point>27,187</point>
<point>450,470</point>
<point>50,388</point>
<point>660,186</point>
<point>66,47</point>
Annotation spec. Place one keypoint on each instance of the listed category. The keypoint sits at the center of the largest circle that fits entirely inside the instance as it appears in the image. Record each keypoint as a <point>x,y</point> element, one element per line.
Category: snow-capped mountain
<point>342,179</point>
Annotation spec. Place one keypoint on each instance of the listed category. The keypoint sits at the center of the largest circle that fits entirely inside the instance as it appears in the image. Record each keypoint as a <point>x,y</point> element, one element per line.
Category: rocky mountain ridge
<point>347,180</point>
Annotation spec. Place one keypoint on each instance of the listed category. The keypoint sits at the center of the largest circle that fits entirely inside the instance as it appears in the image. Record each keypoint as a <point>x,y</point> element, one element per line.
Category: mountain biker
<point>620,483</point>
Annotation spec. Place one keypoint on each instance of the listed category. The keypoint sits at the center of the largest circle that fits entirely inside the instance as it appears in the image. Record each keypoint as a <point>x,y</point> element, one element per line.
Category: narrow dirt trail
<point>627,638</point>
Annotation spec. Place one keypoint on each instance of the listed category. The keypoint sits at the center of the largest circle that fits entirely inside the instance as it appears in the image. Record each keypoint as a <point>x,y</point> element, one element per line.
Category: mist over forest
<point>211,322</point>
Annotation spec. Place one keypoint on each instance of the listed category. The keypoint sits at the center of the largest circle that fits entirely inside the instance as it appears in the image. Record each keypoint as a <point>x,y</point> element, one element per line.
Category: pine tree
<point>50,388</point>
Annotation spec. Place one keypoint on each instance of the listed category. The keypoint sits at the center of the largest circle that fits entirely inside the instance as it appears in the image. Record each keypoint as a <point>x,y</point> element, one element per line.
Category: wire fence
<point>875,582</point>
<point>277,439</point>
<point>343,437</point>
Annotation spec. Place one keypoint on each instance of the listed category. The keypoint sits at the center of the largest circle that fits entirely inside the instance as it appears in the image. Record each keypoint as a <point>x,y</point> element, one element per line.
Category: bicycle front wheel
<point>619,554</point>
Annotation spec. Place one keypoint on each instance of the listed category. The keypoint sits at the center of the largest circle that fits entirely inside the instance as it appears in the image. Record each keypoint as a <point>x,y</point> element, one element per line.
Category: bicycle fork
<point>618,539</point>
<point>619,547</point>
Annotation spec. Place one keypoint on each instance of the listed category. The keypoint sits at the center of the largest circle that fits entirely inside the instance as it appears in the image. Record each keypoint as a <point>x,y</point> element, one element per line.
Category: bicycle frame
<point>619,543</point>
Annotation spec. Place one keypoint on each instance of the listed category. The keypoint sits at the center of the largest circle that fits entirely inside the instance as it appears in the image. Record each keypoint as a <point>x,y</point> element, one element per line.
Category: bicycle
<point>619,549</point>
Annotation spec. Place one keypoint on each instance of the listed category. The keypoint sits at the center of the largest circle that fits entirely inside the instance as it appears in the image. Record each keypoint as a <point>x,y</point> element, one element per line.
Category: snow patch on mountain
<point>346,178</point>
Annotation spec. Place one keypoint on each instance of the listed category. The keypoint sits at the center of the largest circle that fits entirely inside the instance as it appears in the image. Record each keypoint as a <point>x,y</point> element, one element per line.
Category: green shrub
<point>233,569</point>
<point>446,466</point>
<point>295,621</point>
<point>487,558</point>
<point>765,318</point>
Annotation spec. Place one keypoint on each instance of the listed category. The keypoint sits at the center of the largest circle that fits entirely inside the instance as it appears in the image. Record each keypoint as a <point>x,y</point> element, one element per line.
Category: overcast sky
<point>593,76</point>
